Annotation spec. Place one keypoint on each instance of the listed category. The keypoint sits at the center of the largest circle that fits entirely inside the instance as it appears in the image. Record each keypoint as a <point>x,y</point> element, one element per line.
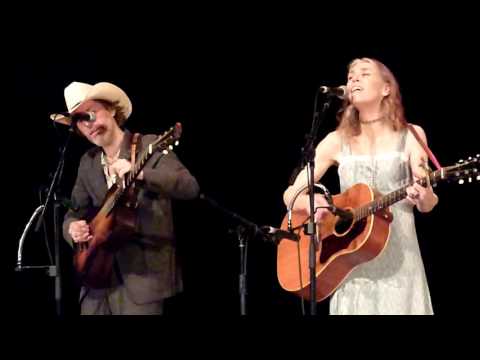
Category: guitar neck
<point>395,196</point>
<point>138,167</point>
<point>128,181</point>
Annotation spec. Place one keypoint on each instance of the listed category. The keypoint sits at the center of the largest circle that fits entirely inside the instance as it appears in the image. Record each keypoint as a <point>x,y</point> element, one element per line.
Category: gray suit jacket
<point>147,263</point>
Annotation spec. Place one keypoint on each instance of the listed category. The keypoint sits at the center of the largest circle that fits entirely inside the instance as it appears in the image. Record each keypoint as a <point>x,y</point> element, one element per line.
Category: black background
<point>245,99</point>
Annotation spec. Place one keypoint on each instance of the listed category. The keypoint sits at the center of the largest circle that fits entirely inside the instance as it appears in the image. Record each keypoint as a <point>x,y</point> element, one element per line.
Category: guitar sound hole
<point>343,224</point>
<point>333,244</point>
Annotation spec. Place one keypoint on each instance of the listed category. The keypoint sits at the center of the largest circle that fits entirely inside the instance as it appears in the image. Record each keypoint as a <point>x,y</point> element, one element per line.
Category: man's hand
<point>123,166</point>
<point>79,231</point>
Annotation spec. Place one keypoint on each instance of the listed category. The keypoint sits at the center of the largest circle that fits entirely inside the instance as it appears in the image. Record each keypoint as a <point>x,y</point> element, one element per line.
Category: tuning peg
<point>177,142</point>
<point>460,161</point>
<point>478,178</point>
<point>461,181</point>
<point>469,179</point>
<point>170,147</point>
<point>165,152</point>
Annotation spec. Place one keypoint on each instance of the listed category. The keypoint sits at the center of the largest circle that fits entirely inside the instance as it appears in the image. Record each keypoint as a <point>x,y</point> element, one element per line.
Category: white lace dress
<point>394,282</point>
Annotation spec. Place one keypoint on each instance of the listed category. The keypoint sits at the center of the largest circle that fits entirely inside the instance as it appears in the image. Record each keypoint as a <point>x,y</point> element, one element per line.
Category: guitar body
<point>93,260</point>
<point>343,245</point>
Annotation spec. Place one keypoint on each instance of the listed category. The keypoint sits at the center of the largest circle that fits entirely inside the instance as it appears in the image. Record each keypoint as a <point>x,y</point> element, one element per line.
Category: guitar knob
<point>165,152</point>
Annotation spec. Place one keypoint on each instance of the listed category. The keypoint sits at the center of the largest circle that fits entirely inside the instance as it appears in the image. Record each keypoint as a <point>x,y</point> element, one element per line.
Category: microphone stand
<point>52,270</point>
<point>243,231</point>
<point>309,159</point>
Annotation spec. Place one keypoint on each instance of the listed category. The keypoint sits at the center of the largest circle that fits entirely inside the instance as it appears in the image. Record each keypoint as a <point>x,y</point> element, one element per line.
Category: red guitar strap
<point>425,147</point>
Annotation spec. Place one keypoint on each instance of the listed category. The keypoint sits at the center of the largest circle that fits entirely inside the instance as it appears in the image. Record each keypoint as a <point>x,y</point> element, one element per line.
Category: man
<point>145,271</point>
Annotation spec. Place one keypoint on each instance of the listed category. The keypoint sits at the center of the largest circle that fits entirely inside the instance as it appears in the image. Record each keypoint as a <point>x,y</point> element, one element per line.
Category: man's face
<point>99,132</point>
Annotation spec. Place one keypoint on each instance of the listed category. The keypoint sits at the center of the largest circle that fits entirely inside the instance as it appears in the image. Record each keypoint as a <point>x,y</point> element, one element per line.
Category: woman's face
<point>365,85</point>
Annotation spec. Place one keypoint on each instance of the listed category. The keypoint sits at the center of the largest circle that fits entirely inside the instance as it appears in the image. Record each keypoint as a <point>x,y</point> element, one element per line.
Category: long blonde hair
<point>347,116</point>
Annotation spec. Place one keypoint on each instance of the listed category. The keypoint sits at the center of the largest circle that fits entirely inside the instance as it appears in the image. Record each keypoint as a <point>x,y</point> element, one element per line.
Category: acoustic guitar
<point>357,236</point>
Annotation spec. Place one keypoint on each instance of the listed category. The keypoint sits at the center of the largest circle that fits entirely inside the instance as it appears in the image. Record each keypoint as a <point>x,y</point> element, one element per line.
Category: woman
<point>373,145</point>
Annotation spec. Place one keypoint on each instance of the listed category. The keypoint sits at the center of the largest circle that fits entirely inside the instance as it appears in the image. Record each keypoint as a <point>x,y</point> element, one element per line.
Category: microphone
<point>343,214</point>
<point>279,234</point>
<point>339,91</point>
<point>79,116</point>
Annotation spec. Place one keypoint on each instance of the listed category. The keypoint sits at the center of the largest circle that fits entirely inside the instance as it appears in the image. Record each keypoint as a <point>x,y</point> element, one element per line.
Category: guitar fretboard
<point>139,165</point>
<point>130,178</point>
<point>395,196</point>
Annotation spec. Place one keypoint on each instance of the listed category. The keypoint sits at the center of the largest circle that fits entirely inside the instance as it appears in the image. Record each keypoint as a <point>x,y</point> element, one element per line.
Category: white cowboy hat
<point>77,93</point>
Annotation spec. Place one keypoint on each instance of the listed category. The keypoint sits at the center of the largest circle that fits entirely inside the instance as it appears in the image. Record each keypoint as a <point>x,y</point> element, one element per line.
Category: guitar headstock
<point>167,140</point>
<point>465,170</point>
